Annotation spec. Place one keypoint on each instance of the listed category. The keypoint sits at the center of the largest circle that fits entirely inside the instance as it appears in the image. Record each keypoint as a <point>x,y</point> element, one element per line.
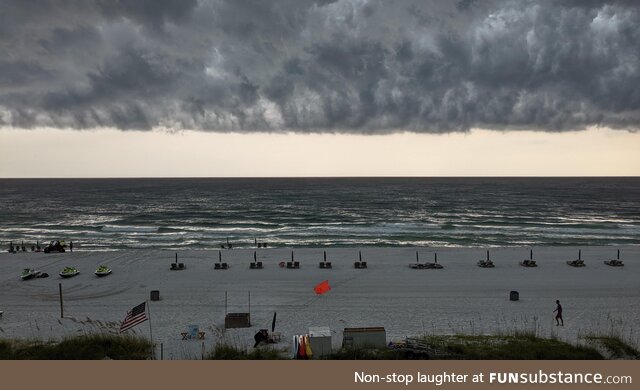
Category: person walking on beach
<point>71,245</point>
<point>558,311</point>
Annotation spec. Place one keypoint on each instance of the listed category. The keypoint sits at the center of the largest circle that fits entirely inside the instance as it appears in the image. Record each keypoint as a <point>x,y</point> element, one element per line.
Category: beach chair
<point>325,263</point>
<point>256,264</point>
<point>360,264</point>
<point>220,264</point>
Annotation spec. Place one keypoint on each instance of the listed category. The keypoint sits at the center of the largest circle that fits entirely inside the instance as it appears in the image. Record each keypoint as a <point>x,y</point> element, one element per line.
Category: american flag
<point>135,316</point>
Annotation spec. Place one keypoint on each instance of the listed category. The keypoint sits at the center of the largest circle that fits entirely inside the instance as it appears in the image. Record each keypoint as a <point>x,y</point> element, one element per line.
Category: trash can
<point>514,296</point>
<point>155,295</point>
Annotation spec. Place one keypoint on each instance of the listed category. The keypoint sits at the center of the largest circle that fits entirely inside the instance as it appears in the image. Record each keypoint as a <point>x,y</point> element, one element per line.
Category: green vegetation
<point>364,353</point>
<point>516,346</point>
<point>512,347</point>
<point>89,347</point>
<point>461,347</point>
<point>230,352</point>
<point>614,346</point>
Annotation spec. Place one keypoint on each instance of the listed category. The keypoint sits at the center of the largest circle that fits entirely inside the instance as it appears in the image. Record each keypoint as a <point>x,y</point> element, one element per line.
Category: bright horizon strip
<point>53,153</point>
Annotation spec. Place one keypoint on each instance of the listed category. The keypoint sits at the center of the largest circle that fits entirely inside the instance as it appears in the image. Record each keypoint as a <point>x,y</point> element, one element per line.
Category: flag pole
<point>153,348</point>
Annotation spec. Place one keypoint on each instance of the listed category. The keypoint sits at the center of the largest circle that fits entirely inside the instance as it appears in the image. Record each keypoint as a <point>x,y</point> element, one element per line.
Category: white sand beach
<point>461,298</point>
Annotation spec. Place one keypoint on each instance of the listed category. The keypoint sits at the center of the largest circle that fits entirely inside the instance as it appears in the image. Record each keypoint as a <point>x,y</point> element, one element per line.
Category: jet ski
<point>68,272</point>
<point>29,273</point>
<point>103,270</point>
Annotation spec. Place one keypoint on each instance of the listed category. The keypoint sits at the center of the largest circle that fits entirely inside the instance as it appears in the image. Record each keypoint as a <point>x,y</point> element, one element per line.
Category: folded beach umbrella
<point>322,287</point>
<point>273,323</point>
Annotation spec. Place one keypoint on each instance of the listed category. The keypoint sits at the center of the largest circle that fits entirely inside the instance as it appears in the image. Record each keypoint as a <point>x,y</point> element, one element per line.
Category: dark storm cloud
<point>311,66</point>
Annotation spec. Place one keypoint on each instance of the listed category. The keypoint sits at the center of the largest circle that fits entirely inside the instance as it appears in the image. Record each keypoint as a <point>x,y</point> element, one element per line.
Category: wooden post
<point>225,303</point>
<point>176,257</point>
<point>255,259</point>
<point>61,307</point>
<point>161,351</point>
<point>417,261</point>
<point>325,256</point>
<point>153,348</point>
<point>360,256</point>
<point>219,256</point>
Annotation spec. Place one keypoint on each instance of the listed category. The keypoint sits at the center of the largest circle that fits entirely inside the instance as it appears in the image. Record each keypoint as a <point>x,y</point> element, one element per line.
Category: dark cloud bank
<point>341,66</point>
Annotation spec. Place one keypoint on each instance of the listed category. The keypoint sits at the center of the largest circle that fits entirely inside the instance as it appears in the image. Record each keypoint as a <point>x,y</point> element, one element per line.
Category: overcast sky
<point>294,72</point>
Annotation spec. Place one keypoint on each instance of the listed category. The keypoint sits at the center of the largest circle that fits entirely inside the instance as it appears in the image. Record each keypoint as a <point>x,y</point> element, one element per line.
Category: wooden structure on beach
<point>364,337</point>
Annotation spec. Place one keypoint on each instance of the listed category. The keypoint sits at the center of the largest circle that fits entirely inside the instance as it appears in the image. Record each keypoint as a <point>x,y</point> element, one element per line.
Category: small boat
<point>68,272</point>
<point>578,262</point>
<point>103,270</point>
<point>529,262</point>
<point>615,262</point>
<point>29,273</point>
<point>486,263</point>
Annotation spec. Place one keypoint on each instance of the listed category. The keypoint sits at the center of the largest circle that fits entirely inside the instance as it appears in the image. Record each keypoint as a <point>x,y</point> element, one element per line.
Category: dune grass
<point>614,346</point>
<point>87,347</point>
<point>364,353</point>
<point>510,347</point>
<point>520,346</point>
<point>230,352</point>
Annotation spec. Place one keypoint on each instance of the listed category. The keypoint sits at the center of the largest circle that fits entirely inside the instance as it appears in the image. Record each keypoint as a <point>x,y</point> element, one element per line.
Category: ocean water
<point>112,214</point>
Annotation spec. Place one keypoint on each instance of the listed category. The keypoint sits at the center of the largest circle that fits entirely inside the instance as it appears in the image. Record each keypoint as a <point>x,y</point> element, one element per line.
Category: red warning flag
<point>322,287</point>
